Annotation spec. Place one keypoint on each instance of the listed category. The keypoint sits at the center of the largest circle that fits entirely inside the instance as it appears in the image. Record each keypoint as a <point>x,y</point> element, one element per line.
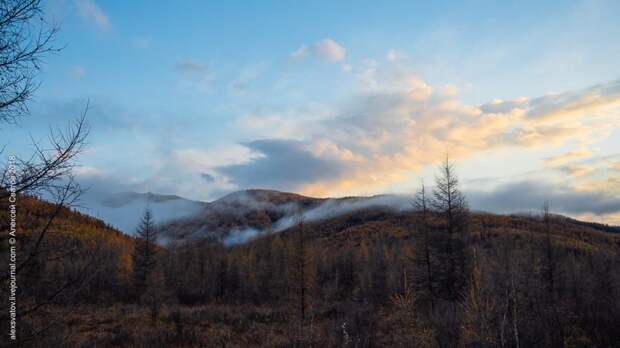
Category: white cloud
<point>567,157</point>
<point>87,171</point>
<point>393,55</point>
<point>326,49</point>
<point>204,160</point>
<point>283,124</point>
<point>92,13</point>
<point>398,124</point>
<point>301,52</point>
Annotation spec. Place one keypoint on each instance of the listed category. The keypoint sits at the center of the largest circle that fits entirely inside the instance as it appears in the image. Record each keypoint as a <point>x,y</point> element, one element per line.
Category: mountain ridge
<point>243,215</point>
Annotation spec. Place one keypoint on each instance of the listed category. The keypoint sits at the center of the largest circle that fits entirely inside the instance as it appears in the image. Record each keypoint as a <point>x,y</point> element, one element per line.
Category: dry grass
<point>198,326</point>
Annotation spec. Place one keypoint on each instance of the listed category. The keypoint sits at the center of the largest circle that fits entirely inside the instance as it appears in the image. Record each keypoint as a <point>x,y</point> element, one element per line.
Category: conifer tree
<point>300,278</point>
<point>424,258</point>
<point>451,206</point>
<point>144,251</point>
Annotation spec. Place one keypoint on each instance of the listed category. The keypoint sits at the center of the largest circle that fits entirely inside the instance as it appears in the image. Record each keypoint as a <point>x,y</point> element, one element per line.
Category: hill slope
<point>73,249</point>
<point>243,215</point>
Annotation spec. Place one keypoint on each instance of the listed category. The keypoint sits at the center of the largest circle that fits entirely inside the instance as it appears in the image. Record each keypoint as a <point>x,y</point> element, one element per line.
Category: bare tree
<point>549,268</point>
<point>299,280</point>
<point>424,264</point>
<point>49,168</point>
<point>25,40</point>
<point>448,200</point>
<point>451,206</point>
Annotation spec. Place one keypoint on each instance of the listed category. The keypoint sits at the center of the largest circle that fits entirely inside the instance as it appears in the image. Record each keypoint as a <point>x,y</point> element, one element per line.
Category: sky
<point>341,98</point>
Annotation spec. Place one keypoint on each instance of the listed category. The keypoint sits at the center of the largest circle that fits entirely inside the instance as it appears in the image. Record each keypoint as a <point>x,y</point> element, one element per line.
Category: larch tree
<point>423,262</point>
<point>549,266</point>
<point>300,278</point>
<point>451,206</point>
<point>144,251</point>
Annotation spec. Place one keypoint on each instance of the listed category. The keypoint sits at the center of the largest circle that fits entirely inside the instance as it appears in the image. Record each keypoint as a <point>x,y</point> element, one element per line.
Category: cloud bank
<point>396,130</point>
<point>525,196</point>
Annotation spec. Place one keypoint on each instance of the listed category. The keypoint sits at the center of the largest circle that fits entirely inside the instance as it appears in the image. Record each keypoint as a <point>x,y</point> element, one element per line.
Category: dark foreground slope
<point>62,258</point>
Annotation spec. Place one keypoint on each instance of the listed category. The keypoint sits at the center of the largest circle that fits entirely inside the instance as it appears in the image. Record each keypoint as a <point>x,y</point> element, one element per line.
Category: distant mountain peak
<point>120,199</point>
<point>261,193</point>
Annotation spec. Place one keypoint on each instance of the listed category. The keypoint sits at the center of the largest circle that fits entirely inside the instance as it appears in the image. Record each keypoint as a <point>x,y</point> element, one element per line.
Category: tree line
<point>461,279</point>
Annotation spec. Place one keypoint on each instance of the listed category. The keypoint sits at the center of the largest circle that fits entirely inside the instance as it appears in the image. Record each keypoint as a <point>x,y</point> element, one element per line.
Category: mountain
<point>244,215</point>
<point>123,198</point>
<point>124,209</point>
<point>240,215</point>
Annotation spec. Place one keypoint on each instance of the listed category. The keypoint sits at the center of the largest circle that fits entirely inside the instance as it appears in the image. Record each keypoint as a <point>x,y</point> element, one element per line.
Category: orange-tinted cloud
<point>401,125</point>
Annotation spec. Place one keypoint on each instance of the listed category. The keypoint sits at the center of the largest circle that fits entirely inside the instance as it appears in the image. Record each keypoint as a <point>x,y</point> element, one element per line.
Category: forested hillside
<point>372,277</point>
<point>64,258</point>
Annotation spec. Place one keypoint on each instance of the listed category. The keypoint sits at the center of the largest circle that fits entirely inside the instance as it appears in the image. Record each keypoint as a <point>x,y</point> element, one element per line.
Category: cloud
<point>283,123</point>
<point>385,134</point>
<point>117,201</point>
<point>567,157</point>
<point>194,173</point>
<point>393,55</point>
<point>574,104</point>
<point>184,172</point>
<point>86,171</point>
<point>207,177</point>
<point>501,106</point>
<point>588,170</point>
<point>532,135</point>
<point>377,138</point>
<point>326,49</point>
<point>281,164</point>
<point>235,237</point>
<point>577,170</point>
<point>524,196</point>
<point>92,13</point>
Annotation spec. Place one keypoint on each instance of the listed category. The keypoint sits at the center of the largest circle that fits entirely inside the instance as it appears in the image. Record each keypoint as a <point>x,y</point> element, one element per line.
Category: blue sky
<point>338,98</point>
